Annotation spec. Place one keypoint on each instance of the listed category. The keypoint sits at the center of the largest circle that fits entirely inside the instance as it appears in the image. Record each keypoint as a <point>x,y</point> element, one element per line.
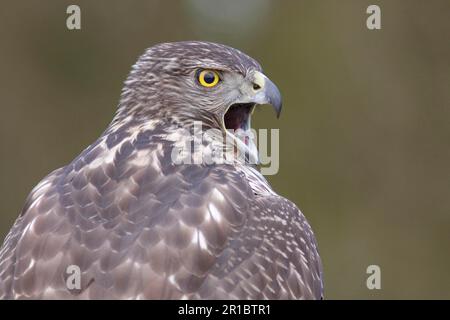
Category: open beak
<point>258,90</point>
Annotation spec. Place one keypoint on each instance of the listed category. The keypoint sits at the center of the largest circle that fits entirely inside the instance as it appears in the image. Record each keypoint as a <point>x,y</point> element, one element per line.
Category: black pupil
<point>209,77</point>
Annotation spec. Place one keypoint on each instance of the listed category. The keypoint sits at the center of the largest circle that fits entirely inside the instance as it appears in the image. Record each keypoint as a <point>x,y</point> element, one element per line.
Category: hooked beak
<point>266,92</point>
<point>257,90</point>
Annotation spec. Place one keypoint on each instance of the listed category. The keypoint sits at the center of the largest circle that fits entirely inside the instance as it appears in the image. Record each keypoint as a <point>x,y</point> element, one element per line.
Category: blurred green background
<point>365,130</point>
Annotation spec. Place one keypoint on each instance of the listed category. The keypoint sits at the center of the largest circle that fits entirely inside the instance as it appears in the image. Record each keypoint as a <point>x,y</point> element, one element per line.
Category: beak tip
<point>278,109</point>
<point>273,96</point>
<point>277,105</point>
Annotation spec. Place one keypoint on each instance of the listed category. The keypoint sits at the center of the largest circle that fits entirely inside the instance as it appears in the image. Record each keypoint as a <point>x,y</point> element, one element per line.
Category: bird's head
<point>194,80</point>
<point>183,82</point>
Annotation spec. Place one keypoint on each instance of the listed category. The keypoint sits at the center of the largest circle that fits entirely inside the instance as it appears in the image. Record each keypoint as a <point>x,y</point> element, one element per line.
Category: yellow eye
<point>208,78</point>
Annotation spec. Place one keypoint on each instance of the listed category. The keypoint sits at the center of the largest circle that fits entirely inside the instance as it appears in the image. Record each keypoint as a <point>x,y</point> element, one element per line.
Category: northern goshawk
<point>137,224</point>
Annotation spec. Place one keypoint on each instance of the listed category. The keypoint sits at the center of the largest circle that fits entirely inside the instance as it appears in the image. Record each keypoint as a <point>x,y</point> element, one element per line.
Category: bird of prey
<point>124,220</point>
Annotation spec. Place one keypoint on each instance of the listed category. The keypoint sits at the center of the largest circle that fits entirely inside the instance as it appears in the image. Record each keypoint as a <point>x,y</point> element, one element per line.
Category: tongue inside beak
<point>237,122</point>
<point>238,116</point>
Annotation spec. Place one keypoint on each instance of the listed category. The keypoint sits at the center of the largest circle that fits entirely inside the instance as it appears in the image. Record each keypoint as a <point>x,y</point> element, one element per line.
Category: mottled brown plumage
<point>140,226</point>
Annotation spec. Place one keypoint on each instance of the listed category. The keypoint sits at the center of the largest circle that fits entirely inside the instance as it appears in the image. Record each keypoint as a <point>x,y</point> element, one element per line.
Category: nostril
<point>256,86</point>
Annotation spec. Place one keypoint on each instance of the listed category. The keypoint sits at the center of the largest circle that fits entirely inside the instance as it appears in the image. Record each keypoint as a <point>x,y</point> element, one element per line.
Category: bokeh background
<point>365,131</point>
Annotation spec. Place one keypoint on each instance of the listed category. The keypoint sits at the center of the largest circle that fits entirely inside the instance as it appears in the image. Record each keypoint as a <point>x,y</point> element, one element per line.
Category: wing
<point>14,249</point>
<point>138,226</point>
<point>274,256</point>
